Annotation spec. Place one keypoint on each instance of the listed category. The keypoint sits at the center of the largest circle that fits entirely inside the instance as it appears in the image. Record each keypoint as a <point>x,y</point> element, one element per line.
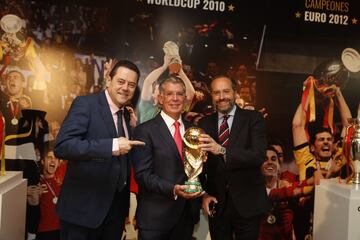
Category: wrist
<point>174,193</point>
<point>221,150</point>
<point>205,195</point>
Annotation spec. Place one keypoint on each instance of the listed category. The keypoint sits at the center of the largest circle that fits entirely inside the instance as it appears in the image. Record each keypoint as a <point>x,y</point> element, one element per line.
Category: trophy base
<point>193,187</point>
<point>356,178</point>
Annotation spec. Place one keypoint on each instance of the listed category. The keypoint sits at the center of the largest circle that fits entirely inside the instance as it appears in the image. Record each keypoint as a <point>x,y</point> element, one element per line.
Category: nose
<point>126,86</point>
<point>222,95</point>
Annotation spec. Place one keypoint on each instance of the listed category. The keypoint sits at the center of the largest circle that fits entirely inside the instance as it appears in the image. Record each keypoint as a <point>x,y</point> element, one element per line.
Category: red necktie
<point>224,132</point>
<point>177,138</point>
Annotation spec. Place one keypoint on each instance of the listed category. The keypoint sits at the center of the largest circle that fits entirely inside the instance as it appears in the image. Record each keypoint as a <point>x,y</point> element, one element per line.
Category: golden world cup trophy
<point>194,158</point>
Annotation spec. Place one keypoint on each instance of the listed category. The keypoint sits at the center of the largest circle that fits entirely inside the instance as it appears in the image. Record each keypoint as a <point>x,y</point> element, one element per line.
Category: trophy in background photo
<point>327,77</point>
<point>172,50</point>
<point>335,72</point>
<point>193,159</point>
<point>353,146</point>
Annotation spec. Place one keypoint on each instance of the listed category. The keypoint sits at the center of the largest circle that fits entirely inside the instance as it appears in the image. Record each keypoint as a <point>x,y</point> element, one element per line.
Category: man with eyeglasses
<point>164,210</point>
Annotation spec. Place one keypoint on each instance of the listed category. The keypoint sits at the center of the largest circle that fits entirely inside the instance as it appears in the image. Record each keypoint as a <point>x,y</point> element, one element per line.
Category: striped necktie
<point>224,132</point>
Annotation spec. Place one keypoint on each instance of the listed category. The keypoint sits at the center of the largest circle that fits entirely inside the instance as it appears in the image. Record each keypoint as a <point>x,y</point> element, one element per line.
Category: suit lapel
<point>165,134</point>
<point>214,133</point>
<point>186,124</point>
<point>236,127</point>
<point>106,115</point>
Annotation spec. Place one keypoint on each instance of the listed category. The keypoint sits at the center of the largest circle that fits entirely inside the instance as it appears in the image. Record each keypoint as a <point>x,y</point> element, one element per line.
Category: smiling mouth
<point>223,103</point>
<point>270,168</point>
<point>123,95</point>
<point>174,106</point>
<point>325,149</point>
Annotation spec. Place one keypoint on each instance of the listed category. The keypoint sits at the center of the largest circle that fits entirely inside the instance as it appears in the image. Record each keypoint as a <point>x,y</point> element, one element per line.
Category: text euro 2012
<point>318,17</point>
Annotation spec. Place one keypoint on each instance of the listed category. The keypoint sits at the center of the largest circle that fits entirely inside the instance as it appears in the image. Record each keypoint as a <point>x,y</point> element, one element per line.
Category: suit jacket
<point>240,173</point>
<point>158,167</point>
<point>85,140</point>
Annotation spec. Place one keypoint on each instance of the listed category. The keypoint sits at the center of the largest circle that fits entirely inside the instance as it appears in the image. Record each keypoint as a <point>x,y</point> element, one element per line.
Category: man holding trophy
<point>317,153</point>
<point>166,208</point>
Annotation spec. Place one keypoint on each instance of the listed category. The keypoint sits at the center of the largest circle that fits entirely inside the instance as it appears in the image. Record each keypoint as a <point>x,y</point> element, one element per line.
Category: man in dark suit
<point>94,138</point>
<point>236,143</point>
<point>164,210</point>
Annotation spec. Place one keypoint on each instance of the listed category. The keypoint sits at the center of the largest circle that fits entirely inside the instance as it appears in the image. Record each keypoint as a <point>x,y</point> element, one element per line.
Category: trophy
<point>172,50</point>
<point>193,159</point>
<point>354,141</point>
<point>334,72</point>
<point>320,88</point>
<point>12,40</point>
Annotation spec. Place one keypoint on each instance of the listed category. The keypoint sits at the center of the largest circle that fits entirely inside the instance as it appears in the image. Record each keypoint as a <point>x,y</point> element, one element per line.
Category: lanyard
<point>54,200</point>
<point>14,111</point>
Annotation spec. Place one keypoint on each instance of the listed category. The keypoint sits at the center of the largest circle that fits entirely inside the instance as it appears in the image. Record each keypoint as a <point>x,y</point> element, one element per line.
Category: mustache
<point>223,100</point>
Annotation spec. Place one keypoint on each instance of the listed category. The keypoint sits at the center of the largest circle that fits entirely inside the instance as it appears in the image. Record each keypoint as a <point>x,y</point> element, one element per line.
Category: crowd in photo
<point>44,94</point>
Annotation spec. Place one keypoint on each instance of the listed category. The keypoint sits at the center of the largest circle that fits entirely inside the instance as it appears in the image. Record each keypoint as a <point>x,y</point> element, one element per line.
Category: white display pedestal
<point>336,211</point>
<point>12,206</point>
<point>201,231</point>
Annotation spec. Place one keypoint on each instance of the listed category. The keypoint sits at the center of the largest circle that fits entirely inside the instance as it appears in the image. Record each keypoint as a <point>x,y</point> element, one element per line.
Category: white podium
<point>201,230</point>
<point>336,211</point>
<point>12,206</point>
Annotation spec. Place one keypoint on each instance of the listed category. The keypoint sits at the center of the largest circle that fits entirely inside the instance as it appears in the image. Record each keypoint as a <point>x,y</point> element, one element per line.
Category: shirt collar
<point>113,107</point>
<point>169,121</point>
<point>231,113</point>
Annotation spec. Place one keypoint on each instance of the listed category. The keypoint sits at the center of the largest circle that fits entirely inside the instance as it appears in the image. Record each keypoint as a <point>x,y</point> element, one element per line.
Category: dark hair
<point>171,79</point>
<point>233,84</point>
<point>316,131</point>
<point>126,64</point>
<point>271,148</point>
<point>16,71</point>
<point>48,147</point>
<point>277,142</point>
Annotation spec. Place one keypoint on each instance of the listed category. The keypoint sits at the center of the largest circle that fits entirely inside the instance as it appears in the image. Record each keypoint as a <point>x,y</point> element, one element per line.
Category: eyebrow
<point>123,79</point>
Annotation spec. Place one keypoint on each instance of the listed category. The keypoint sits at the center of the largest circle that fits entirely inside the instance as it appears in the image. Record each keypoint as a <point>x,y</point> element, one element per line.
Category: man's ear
<point>312,148</point>
<point>160,99</point>
<point>108,80</point>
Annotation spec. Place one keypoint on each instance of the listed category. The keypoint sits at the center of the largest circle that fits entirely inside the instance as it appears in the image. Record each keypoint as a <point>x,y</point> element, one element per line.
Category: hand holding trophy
<point>171,50</point>
<point>334,73</point>
<point>324,84</point>
<point>194,158</point>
